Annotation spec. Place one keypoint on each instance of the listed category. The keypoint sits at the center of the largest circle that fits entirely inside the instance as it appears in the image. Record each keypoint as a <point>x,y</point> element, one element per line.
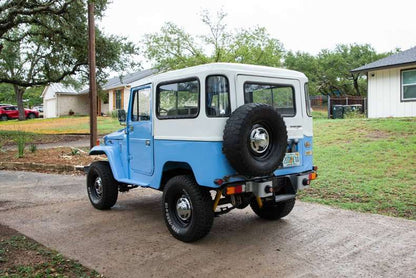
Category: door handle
<point>147,142</point>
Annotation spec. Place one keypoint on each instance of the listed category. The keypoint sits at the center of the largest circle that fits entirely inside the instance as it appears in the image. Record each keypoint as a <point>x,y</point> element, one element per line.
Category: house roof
<point>59,88</point>
<point>120,81</point>
<point>399,59</point>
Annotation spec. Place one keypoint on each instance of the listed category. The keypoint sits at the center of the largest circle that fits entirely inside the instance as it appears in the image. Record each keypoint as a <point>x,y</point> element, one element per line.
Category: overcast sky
<point>299,24</point>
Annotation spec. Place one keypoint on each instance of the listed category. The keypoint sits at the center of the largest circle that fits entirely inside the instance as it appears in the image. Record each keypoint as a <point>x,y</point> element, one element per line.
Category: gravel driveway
<point>131,240</point>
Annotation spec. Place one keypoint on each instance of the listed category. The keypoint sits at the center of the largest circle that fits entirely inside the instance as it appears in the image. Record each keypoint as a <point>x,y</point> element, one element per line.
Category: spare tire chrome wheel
<point>259,140</point>
<point>255,139</point>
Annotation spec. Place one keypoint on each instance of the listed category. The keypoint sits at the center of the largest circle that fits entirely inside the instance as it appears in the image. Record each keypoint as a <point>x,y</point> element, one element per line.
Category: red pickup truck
<point>11,112</point>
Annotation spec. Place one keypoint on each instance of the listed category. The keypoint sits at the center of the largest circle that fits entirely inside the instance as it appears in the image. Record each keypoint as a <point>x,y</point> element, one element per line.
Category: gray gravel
<point>131,240</point>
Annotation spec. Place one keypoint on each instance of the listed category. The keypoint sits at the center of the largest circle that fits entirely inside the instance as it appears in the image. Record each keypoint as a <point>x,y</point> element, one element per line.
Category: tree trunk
<point>19,99</point>
<point>356,87</point>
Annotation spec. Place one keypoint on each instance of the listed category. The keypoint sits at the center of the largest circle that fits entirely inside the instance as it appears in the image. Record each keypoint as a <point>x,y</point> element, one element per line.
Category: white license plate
<point>291,159</point>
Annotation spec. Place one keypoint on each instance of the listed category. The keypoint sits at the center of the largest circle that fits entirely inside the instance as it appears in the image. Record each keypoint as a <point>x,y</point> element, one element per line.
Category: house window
<point>178,99</point>
<point>409,85</point>
<point>218,96</point>
<point>118,99</point>
<point>281,97</point>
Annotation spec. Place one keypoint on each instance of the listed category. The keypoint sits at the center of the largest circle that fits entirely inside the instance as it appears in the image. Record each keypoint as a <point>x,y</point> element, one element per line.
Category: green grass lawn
<point>62,125</point>
<point>366,165</point>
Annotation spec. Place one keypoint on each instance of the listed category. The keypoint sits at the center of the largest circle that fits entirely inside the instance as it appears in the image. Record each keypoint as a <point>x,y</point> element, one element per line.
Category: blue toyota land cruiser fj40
<point>213,138</point>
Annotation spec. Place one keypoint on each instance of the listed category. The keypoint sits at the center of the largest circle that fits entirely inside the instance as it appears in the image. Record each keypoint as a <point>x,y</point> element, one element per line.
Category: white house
<point>118,89</point>
<point>392,85</point>
<point>59,100</point>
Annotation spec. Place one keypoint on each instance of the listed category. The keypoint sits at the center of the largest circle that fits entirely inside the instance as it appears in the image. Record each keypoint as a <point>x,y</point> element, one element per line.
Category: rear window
<point>281,97</point>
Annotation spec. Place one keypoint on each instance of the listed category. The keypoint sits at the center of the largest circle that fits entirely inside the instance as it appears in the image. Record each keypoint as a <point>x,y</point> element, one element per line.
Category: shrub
<point>114,114</point>
<point>33,148</point>
<point>75,151</point>
<point>20,139</point>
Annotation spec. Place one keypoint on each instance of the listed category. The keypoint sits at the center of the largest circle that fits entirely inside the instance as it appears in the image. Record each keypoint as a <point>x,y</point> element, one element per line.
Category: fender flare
<point>113,159</point>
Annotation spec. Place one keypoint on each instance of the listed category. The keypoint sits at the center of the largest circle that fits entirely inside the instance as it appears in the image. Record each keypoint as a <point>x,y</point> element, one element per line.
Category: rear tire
<point>272,210</point>
<point>101,186</point>
<point>4,118</point>
<point>187,209</point>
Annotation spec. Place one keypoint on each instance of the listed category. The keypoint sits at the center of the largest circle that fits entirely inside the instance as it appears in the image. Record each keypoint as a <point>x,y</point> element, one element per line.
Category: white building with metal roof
<point>63,100</point>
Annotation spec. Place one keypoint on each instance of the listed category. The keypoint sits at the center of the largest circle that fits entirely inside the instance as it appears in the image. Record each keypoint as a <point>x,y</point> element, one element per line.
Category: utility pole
<point>93,85</point>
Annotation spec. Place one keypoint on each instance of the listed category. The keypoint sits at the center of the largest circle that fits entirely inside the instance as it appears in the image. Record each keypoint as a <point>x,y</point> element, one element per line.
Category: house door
<point>140,137</point>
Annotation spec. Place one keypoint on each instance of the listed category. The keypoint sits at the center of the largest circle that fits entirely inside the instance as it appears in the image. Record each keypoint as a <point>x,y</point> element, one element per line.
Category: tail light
<point>235,189</point>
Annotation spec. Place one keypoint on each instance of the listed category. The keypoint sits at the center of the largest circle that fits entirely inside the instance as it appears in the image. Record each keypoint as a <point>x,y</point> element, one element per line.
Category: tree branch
<point>28,83</point>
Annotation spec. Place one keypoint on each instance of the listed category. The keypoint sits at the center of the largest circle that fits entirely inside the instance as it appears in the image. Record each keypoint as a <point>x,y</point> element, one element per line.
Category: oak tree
<point>45,41</point>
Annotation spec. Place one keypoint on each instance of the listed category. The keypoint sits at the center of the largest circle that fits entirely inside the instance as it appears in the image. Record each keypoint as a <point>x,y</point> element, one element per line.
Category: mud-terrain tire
<point>101,186</point>
<point>255,139</point>
<point>271,210</point>
<point>187,208</point>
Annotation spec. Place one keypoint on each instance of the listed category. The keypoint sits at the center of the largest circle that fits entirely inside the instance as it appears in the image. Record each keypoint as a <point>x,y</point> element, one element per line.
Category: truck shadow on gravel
<point>229,228</point>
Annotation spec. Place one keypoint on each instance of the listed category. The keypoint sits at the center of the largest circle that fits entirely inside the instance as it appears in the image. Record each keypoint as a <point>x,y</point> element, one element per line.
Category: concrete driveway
<point>131,240</point>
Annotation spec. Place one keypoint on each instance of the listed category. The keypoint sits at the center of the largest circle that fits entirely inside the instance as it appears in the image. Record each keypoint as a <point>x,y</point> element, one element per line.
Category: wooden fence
<point>361,102</point>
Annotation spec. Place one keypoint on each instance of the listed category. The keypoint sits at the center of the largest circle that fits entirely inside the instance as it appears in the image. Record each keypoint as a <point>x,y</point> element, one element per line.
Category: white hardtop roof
<point>223,68</point>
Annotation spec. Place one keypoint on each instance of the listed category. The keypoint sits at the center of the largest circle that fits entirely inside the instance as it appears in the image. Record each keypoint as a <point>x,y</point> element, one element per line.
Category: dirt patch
<point>57,160</point>
<point>377,134</point>
<point>23,257</point>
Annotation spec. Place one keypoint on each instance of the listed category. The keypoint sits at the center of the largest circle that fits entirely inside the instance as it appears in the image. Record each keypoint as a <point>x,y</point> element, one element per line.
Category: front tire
<point>31,116</point>
<point>187,209</point>
<point>101,186</point>
<point>272,210</point>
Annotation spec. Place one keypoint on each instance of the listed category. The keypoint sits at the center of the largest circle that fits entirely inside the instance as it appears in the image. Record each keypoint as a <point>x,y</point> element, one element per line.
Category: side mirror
<point>121,114</point>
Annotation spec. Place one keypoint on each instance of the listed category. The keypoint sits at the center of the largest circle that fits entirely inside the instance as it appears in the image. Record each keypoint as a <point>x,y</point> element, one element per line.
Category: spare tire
<point>255,139</point>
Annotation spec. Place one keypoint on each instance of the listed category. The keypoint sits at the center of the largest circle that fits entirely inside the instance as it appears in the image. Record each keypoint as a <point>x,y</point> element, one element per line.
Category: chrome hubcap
<point>184,208</point>
<point>259,140</point>
<point>98,186</point>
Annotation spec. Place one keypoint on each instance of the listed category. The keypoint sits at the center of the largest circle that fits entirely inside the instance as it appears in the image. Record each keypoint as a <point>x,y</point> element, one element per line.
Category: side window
<point>217,96</point>
<point>308,101</point>
<point>178,99</point>
<point>141,105</point>
<point>281,97</point>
